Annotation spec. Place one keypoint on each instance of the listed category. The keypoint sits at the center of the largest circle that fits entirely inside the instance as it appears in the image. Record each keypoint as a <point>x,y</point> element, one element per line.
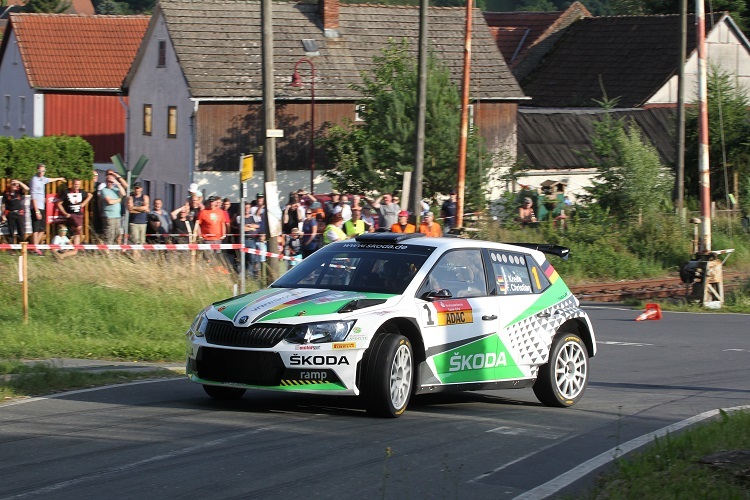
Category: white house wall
<point>171,160</point>
<point>724,50</point>
<point>15,89</point>
<point>577,180</point>
<point>226,184</point>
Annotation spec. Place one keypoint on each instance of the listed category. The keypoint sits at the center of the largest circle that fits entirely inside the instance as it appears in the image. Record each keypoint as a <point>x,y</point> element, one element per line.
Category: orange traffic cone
<point>653,311</point>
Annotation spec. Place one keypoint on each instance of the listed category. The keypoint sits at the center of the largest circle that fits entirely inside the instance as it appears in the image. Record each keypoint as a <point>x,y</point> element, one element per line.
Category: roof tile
<point>65,51</point>
<point>221,58</point>
<point>628,57</point>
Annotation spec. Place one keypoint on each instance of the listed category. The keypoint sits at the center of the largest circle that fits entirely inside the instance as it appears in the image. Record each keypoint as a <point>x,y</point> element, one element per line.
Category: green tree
<point>46,6</point>
<point>537,6</point>
<point>375,154</point>
<point>113,7</point>
<point>109,8</point>
<point>728,133</point>
<point>64,156</point>
<point>630,178</point>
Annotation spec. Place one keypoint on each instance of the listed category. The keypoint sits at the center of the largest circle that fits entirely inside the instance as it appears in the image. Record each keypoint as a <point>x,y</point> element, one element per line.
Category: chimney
<point>329,13</point>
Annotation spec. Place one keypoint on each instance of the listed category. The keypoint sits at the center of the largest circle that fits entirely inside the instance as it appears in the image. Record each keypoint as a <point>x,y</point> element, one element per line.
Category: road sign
<point>248,162</point>
<point>119,164</point>
<point>139,166</point>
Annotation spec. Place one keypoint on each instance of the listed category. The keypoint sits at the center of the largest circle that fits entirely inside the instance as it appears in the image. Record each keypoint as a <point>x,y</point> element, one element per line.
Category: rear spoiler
<point>562,252</point>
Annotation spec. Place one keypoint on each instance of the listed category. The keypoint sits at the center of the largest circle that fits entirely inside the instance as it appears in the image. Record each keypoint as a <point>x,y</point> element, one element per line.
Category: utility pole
<point>681,114</point>
<point>269,120</point>
<point>415,199</point>
<point>464,138</point>
<point>705,271</point>
<point>704,179</point>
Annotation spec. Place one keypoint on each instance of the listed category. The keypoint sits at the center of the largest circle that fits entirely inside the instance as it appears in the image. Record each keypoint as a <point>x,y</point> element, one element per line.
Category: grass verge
<point>710,461</point>
<point>105,306</point>
<point>19,380</point>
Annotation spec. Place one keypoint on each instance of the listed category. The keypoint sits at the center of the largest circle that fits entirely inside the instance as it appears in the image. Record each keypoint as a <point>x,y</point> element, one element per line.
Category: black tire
<point>562,381</point>
<point>387,375</point>
<point>223,393</point>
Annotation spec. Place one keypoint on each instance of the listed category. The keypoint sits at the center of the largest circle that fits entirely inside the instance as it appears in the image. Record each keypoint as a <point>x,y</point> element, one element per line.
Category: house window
<point>359,113</point>
<point>172,122</point>
<point>22,112</point>
<point>148,119</point>
<point>7,111</point>
<point>162,62</point>
<point>146,188</point>
<point>170,202</point>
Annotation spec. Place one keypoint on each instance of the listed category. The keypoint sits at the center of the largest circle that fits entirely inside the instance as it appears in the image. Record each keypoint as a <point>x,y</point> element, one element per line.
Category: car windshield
<point>357,269</point>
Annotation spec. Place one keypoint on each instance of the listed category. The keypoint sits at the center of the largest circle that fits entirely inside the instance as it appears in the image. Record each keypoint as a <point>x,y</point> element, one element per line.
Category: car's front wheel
<point>387,375</point>
<point>562,381</point>
<point>225,393</point>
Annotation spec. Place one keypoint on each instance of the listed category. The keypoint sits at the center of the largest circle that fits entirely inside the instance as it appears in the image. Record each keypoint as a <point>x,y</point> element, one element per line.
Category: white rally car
<point>388,315</point>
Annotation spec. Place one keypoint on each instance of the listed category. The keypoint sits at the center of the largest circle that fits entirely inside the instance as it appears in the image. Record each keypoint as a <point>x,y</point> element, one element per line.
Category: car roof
<point>447,242</point>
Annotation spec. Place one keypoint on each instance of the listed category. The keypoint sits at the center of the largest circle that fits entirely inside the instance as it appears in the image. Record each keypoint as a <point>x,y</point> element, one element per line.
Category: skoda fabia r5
<point>385,316</point>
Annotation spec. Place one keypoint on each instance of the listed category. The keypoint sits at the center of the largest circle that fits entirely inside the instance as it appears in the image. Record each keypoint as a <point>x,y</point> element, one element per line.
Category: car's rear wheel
<point>562,381</point>
<point>387,375</point>
<point>225,393</point>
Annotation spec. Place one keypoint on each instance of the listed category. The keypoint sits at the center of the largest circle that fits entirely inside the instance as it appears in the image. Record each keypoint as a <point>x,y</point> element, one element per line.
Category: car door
<point>459,321</point>
<point>517,284</point>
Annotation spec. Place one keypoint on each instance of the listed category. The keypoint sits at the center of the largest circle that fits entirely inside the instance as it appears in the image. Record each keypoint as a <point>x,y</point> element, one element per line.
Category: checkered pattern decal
<point>526,339</point>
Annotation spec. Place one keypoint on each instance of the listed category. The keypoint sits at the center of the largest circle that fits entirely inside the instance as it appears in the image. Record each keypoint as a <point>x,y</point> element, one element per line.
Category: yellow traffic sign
<point>247,168</point>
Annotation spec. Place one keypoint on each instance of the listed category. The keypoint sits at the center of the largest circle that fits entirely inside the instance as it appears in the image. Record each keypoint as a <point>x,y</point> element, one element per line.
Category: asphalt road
<point>167,439</point>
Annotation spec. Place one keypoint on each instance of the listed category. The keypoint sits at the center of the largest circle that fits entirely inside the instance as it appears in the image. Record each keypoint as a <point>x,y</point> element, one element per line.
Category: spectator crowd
<point>126,214</point>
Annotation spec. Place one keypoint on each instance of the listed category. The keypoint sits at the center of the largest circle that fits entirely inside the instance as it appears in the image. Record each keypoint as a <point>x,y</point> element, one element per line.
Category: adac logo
<point>244,319</point>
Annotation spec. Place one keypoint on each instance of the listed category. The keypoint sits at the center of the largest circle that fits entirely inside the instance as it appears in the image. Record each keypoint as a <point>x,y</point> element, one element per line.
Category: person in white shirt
<point>38,204</point>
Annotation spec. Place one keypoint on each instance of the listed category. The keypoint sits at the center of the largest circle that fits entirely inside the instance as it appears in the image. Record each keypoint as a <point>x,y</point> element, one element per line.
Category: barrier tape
<point>166,246</point>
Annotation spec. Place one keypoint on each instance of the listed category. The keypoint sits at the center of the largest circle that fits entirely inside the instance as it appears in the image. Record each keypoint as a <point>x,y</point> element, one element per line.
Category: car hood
<point>272,304</point>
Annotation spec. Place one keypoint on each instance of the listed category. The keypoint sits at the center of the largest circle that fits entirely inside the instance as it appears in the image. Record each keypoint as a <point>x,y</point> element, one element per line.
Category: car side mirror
<point>442,293</point>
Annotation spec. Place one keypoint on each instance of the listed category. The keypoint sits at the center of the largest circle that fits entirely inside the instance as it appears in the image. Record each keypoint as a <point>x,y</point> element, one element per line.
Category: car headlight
<point>198,328</point>
<point>316,333</point>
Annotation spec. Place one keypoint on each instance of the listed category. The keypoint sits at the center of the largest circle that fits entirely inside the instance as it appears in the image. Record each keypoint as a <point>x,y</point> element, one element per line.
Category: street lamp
<point>297,82</point>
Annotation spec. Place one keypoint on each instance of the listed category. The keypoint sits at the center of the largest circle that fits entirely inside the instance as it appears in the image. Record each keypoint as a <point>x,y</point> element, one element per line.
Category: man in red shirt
<point>211,223</point>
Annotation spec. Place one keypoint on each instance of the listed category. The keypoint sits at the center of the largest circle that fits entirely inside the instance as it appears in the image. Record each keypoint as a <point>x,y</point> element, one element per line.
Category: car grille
<point>242,367</point>
<point>225,333</point>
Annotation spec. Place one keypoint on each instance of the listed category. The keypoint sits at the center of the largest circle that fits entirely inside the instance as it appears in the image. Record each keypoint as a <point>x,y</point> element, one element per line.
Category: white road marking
<point>612,342</point>
<point>553,486</point>
<point>736,350</point>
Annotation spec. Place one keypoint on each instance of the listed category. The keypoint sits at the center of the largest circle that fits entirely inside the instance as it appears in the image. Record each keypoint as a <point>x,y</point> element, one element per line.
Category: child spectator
<point>62,239</point>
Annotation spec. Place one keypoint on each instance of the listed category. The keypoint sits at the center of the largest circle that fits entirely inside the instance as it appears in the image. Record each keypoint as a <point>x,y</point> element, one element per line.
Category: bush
<point>605,248</point>
<point>68,157</point>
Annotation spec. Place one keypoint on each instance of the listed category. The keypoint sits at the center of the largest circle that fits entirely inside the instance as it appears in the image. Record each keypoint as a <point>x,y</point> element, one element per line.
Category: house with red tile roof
<point>524,37</point>
<point>195,89</point>
<point>61,74</point>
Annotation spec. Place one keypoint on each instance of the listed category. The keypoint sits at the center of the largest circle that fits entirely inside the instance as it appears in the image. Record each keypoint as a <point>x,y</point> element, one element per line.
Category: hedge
<point>68,157</point>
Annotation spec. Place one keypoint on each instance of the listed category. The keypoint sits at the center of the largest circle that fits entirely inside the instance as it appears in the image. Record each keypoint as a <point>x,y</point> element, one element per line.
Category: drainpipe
<point>192,141</point>
<point>127,126</point>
